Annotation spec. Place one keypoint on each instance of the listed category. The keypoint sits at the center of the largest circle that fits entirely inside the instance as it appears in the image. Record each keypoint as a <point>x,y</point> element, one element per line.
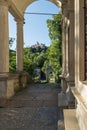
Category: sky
<point>35,27</point>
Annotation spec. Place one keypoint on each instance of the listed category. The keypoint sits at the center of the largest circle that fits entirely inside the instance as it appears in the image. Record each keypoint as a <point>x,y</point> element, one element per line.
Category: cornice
<point>20,21</point>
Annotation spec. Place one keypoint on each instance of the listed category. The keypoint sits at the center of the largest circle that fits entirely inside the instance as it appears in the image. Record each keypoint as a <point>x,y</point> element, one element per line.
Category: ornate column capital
<point>20,21</point>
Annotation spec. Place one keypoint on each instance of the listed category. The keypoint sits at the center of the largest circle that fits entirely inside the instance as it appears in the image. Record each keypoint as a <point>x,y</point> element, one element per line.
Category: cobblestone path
<point>35,108</point>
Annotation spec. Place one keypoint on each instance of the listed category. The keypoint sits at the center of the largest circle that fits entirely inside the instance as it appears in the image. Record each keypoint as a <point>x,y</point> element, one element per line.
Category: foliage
<point>28,64</point>
<point>54,27</point>
<point>39,55</point>
<point>11,41</point>
<point>12,56</point>
<point>55,31</point>
<point>40,59</point>
<point>12,61</point>
<point>34,58</point>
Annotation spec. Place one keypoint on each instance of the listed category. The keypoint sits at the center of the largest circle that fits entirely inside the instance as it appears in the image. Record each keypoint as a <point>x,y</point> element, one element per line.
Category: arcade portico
<point>74,51</point>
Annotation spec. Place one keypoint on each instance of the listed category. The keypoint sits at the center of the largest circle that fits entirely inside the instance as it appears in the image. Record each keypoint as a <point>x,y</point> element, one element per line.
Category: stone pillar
<point>63,75</point>
<point>4,39</point>
<point>71,54</point>
<point>77,38</point>
<point>64,13</point>
<point>67,47</point>
<point>71,48</point>
<point>63,47</point>
<point>19,55</point>
<point>70,69</point>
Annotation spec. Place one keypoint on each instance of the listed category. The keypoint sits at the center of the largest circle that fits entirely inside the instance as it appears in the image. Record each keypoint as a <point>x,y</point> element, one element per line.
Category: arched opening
<point>36,32</point>
<point>35,27</point>
<point>17,11</point>
<point>74,48</point>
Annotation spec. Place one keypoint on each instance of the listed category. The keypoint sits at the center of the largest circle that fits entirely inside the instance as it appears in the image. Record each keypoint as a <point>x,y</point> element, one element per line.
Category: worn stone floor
<point>35,108</point>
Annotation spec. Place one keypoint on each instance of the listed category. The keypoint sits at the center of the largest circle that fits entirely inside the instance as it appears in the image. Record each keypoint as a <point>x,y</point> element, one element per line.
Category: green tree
<point>55,33</point>
<point>54,27</point>
<point>11,41</point>
<point>12,61</point>
<point>28,64</point>
<point>12,56</point>
<point>40,59</point>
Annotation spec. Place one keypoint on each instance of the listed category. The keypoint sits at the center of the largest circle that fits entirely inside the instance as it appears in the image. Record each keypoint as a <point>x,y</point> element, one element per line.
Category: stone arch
<point>17,9</point>
<point>70,9</point>
<point>22,5</point>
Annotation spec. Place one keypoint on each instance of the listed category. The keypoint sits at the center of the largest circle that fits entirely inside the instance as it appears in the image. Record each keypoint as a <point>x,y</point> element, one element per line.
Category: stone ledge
<point>79,98</point>
<point>70,119</point>
<point>76,94</point>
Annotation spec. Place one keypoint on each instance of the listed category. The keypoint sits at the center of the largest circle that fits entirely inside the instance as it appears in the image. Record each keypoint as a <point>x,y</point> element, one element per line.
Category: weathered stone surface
<point>35,108</point>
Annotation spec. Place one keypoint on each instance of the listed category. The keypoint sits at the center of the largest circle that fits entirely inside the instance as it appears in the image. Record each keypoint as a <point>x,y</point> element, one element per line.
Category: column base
<point>6,85</point>
<point>67,83</point>
<point>63,82</point>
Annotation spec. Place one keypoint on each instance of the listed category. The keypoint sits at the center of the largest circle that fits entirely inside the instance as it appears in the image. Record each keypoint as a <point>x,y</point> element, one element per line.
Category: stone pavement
<point>35,108</point>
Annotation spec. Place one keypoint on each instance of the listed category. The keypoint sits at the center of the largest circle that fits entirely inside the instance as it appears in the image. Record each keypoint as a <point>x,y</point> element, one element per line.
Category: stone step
<point>70,119</point>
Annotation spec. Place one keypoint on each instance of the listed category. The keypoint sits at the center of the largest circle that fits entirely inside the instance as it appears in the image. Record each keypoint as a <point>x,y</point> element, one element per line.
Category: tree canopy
<point>55,34</point>
<point>54,27</point>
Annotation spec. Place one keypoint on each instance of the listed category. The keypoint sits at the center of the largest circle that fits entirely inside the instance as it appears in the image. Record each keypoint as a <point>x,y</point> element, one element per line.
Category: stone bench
<point>70,119</point>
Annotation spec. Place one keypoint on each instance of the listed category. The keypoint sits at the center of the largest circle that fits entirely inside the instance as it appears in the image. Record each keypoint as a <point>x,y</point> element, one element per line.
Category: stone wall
<point>10,84</point>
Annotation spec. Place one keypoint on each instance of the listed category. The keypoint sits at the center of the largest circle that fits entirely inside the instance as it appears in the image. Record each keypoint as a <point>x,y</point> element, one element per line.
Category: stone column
<point>70,77</point>
<point>63,47</point>
<point>64,13</point>
<point>4,39</point>
<point>71,47</point>
<point>67,48</point>
<point>19,55</point>
<point>70,41</point>
<point>62,76</point>
<point>77,38</point>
